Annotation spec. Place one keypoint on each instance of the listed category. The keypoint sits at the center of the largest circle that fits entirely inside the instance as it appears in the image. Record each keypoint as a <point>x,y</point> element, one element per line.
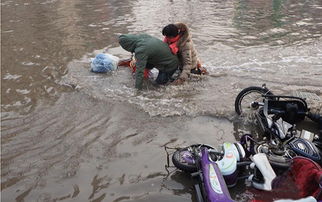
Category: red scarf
<point>172,42</point>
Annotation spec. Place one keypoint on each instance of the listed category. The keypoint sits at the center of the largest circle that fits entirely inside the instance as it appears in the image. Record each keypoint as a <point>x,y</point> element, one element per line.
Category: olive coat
<point>149,51</point>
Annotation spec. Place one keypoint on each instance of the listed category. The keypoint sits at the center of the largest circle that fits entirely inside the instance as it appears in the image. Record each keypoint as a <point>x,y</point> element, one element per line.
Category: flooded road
<point>71,135</point>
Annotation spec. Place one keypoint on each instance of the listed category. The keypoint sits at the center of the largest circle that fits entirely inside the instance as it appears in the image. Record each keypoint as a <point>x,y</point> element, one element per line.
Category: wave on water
<point>119,86</point>
<point>284,70</point>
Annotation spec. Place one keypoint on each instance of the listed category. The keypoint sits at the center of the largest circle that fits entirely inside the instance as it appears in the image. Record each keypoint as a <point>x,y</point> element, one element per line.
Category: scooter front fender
<point>214,183</point>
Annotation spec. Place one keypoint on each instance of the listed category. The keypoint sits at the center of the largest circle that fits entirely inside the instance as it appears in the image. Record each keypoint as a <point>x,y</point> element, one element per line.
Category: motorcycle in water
<point>227,159</point>
<point>291,109</point>
<point>277,117</point>
<point>217,171</point>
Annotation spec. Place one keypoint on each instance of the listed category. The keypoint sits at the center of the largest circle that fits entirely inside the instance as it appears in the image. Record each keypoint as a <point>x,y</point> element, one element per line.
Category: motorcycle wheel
<point>247,96</point>
<point>179,161</point>
<point>278,161</point>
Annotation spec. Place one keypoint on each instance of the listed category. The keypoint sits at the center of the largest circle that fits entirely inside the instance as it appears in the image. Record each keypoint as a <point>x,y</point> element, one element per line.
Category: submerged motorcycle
<point>216,171</point>
<point>277,117</point>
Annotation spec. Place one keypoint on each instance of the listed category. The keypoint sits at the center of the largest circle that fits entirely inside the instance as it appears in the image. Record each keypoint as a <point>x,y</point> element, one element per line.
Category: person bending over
<point>150,52</point>
<point>179,39</point>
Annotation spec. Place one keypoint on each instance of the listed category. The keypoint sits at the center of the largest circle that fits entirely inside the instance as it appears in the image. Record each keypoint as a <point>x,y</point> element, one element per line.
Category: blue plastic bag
<point>103,63</point>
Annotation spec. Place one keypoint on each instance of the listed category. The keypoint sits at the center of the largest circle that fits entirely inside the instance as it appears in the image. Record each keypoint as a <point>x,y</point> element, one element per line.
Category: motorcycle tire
<point>181,164</point>
<point>250,90</point>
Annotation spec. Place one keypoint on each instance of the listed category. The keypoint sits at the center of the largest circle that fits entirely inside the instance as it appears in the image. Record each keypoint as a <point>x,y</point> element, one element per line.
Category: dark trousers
<point>164,77</point>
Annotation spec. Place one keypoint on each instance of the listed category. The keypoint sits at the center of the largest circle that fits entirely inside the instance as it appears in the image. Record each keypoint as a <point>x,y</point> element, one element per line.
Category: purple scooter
<point>212,184</point>
<point>214,170</point>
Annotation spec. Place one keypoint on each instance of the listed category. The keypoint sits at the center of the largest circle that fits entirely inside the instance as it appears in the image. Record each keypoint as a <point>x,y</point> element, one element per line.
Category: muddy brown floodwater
<point>70,135</point>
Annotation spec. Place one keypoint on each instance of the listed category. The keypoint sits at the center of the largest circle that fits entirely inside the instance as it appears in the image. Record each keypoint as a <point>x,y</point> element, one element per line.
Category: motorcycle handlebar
<point>317,118</point>
<point>280,112</point>
<point>276,111</point>
<point>314,117</point>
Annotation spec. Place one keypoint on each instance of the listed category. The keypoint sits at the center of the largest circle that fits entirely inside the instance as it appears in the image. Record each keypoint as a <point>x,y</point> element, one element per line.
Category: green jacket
<point>148,50</point>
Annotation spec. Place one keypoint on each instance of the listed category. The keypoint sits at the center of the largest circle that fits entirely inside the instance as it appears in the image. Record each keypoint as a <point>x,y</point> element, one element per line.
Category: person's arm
<point>141,61</point>
<point>186,63</point>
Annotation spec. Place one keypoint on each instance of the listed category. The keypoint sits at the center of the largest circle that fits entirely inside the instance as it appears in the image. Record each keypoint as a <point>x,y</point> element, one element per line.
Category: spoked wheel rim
<point>249,103</point>
<point>249,100</point>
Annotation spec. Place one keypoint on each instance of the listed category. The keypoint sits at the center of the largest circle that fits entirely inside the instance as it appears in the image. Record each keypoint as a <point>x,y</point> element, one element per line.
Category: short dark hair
<point>170,30</point>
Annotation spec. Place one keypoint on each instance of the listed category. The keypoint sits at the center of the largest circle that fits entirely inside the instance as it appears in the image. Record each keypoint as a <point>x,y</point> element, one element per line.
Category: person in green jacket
<point>150,52</point>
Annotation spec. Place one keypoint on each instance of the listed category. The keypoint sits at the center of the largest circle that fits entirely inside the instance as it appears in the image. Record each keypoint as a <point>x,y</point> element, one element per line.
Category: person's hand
<point>178,81</point>
<point>132,63</point>
<point>203,70</point>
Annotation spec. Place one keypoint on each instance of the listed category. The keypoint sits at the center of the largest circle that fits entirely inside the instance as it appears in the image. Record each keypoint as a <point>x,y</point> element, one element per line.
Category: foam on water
<point>119,86</point>
<point>283,69</point>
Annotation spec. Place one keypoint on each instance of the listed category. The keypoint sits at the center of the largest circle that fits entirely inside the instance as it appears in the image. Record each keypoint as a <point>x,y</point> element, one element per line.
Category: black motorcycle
<point>277,117</point>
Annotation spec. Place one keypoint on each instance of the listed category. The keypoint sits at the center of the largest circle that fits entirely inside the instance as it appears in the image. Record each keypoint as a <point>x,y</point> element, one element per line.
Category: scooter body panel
<point>228,164</point>
<point>214,183</point>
